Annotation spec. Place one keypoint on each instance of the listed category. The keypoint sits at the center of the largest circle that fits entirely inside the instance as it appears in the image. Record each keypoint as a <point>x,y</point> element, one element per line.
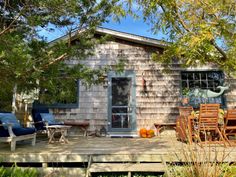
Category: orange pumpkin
<point>143,132</point>
<point>150,133</point>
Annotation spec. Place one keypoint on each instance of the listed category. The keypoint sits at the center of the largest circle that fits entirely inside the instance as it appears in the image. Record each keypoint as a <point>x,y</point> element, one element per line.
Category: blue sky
<point>133,26</point>
<point>128,25</point>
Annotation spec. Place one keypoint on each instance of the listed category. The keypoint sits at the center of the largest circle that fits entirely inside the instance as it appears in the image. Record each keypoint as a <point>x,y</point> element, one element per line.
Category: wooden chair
<point>182,123</point>
<point>208,127</point>
<point>11,131</point>
<point>229,128</point>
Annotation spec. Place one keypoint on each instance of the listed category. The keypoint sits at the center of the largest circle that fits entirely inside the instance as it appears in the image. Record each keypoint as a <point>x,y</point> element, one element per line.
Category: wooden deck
<point>90,151</point>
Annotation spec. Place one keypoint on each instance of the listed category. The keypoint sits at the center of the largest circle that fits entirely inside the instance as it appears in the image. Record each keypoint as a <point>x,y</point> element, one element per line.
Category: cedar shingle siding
<point>163,89</point>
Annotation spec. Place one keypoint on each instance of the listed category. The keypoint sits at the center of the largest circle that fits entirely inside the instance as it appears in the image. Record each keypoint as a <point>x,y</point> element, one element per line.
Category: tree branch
<point>13,21</point>
<point>181,20</point>
<point>58,59</point>
<point>222,52</point>
<point>174,26</point>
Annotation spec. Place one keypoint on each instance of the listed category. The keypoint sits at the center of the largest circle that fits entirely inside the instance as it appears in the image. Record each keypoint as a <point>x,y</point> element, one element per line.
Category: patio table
<point>53,129</point>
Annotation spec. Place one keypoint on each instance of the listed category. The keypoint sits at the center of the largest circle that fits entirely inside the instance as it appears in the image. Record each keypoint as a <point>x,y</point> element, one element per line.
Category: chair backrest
<point>39,124</point>
<point>9,118</point>
<point>185,110</point>
<point>230,119</point>
<point>208,116</point>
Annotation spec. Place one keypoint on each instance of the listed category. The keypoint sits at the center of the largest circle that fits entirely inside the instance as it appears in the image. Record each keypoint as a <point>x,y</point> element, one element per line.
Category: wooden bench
<point>83,125</point>
<point>160,126</point>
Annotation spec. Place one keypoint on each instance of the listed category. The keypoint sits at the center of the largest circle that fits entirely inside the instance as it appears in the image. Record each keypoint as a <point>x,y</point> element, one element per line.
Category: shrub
<point>18,172</point>
<point>207,161</point>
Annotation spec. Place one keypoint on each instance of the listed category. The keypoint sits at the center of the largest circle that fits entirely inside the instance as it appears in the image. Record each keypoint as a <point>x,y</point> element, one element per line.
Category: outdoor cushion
<point>9,118</point>
<point>23,131</point>
<point>39,125</point>
<point>48,117</point>
<point>3,131</point>
<point>18,132</point>
<point>1,127</point>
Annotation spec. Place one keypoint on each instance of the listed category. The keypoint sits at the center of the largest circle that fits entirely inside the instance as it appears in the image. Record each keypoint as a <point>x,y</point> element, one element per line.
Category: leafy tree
<point>27,60</point>
<point>200,31</point>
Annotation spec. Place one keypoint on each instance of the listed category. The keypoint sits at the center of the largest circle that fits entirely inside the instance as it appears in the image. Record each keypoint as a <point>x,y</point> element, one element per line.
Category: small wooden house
<point>143,94</point>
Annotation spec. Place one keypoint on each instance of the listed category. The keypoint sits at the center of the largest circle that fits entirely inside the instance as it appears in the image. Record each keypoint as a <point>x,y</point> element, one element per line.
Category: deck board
<point>126,167</point>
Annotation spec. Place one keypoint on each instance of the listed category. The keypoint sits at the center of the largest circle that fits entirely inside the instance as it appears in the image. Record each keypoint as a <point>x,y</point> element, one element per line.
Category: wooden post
<point>14,99</point>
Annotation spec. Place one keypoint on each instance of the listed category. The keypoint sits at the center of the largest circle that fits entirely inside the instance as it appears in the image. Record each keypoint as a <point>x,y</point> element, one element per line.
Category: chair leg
<point>13,145</point>
<point>227,139</point>
<point>34,140</point>
<point>221,136</point>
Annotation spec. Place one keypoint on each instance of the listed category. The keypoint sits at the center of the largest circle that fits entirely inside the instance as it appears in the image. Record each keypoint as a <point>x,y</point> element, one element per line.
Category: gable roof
<point>124,36</point>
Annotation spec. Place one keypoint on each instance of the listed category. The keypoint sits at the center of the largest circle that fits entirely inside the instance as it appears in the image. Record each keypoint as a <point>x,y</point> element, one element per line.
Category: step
<point>122,134</point>
<point>126,167</point>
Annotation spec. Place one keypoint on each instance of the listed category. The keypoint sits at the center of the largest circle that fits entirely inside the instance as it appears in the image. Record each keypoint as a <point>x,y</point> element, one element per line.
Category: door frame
<point>127,74</point>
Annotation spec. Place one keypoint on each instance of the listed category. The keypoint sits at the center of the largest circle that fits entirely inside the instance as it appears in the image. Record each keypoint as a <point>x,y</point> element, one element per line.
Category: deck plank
<point>126,167</point>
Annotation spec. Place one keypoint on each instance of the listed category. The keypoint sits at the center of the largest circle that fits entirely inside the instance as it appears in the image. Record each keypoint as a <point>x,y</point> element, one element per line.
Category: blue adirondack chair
<point>11,130</point>
<point>43,118</point>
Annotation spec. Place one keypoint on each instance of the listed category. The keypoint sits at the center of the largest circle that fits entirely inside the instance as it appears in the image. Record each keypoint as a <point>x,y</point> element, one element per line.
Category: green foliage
<point>185,91</point>
<point>29,61</point>
<point>18,172</point>
<point>200,32</point>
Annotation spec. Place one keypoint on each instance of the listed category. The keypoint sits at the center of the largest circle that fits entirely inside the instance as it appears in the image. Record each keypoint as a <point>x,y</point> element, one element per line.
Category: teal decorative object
<point>206,93</point>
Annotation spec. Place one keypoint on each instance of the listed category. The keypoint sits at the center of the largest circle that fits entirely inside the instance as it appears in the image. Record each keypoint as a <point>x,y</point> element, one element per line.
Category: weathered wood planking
<point>163,89</point>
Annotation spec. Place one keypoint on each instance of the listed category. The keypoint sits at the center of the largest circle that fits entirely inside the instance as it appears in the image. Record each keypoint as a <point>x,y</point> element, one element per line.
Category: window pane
<point>191,84</point>
<point>184,84</point>
<point>197,76</point>
<point>210,84</point>
<point>184,76</point>
<point>59,93</point>
<point>213,76</point>
<point>121,90</point>
<point>203,84</point>
<point>197,84</point>
<point>190,76</point>
<point>203,76</point>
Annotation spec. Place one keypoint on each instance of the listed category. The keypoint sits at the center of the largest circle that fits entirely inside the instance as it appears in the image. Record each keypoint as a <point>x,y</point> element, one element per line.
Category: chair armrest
<point>38,122</point>
<point>9,128</point>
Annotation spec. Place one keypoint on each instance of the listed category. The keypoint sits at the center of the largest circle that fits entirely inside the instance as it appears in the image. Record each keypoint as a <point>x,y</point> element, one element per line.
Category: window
<point>202,80</point>
<point>61,94</point>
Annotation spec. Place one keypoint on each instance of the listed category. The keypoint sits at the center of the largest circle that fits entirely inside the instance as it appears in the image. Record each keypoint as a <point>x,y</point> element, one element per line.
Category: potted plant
<point>185,96</point>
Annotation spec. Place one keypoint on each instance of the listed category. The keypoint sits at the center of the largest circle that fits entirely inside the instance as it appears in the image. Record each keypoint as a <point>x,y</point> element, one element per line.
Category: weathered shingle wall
<point>163,89</point>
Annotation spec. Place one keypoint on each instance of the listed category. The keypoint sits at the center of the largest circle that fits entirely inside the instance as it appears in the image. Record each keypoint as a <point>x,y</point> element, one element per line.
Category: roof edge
<point>121,35</point>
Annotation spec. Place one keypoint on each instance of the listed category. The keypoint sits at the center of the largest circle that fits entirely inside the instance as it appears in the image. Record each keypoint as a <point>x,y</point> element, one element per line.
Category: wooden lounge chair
<point>43,118</point>
<point>182,123</point>
<point>11,131</point>
<point>208,129</point>
<point>229,128</point>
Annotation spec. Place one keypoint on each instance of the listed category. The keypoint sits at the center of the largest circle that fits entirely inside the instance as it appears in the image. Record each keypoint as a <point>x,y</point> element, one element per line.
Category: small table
<point>53,129</point>
<point>160,126</point>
